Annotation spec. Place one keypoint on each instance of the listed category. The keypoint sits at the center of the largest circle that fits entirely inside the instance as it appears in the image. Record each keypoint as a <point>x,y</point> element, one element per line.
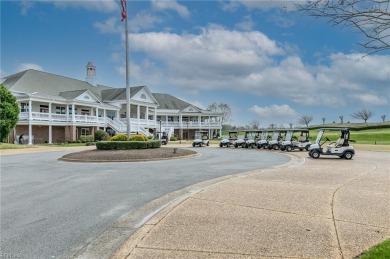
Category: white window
<point>84,131</point>
<point>60,110</point>
<point>143,96</point>
<point>24,107</point>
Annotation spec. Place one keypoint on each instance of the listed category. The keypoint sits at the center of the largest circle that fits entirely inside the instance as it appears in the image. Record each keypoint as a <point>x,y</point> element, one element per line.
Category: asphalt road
<point>53,209</point>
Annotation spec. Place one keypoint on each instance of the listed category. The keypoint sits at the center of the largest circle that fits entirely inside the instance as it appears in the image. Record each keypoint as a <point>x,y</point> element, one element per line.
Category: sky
<point>268,62</point>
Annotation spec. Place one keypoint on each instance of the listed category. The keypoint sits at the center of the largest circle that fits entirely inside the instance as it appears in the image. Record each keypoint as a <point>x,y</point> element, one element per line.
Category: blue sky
<point>267,64</point>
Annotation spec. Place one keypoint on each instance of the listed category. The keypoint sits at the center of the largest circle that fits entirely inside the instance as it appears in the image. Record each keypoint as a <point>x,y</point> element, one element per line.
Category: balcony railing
<point>102,121</point>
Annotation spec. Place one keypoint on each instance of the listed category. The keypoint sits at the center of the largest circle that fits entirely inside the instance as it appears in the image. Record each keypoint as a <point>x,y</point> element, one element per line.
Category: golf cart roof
<point>304,130</point>
<point>340,129</point>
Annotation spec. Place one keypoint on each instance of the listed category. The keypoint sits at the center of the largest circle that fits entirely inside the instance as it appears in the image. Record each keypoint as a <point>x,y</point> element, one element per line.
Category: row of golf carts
<point>292,139</point>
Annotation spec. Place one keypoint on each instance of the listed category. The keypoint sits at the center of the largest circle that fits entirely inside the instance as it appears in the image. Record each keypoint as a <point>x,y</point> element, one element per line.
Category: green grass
<point>380,251</point>
<point>13,146</point>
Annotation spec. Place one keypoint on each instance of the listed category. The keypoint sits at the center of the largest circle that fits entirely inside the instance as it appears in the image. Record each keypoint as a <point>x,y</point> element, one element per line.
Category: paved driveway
<point>55,209</point>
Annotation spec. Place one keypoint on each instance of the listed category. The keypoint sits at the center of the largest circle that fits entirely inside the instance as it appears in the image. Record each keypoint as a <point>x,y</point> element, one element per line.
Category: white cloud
<point>246,24</point>
<point>171,5</point>
<point>26,66</point>
<point>108,26</point>
<point>370,99</point>
<point>105,6</point>
<point>274,113</point>
<point>143,20</point>
<point>252,63</point>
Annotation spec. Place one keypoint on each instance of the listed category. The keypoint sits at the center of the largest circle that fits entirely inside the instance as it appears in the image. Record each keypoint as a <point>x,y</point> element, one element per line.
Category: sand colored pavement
<point>307,208</point>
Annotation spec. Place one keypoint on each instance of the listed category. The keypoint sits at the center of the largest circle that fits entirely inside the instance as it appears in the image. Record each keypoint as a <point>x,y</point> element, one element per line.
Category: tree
<point>272,126</point>
<point>254,124</point>
<point>363,115</point>
<point>383,118</point>
<point>305,119</point>
<point>291,125</point>
<point>224,109</point>
<point>9,112</point>
<point>341,119</point>
<point>370,17</point>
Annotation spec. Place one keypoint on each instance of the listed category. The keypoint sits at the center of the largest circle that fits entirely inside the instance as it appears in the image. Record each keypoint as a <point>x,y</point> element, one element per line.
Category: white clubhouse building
<point>55,109</point>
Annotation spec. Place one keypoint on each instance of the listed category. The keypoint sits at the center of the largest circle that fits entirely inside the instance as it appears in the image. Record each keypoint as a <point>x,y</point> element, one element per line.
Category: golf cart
<point>263,139</point>
<point>252,137</point>
<point>292,142</point>
<point>201,138</point>
<point>274,143</point>
<point>241,142</point>
<point>340,148</point>
<point>228,141</point>
<point>163,137</point>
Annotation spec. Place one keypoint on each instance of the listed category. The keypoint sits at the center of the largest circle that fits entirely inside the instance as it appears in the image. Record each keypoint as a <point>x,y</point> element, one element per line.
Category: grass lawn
<point>380,251</point>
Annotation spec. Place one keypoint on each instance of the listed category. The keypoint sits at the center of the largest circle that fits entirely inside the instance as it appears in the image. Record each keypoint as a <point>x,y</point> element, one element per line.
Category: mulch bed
<point>130,155</point>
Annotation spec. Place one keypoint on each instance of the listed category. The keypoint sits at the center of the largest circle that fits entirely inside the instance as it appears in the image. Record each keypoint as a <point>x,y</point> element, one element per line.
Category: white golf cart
<point>252,137</point>
<point>241,141</point>
<point>292,142</point>
<point>228,141</point>
<point>201,138</point>
<point>276,139</point>
<point>163,137</point>
<point>263,139</point>
<point>340,147</point>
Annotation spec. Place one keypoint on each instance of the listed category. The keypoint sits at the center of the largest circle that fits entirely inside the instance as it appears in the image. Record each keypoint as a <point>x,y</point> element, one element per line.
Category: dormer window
<point>191,110</point>
<point>86,97</point>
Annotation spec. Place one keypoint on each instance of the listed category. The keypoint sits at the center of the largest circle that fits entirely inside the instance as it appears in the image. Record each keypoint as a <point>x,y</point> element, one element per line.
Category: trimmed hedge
<point>110,145</point>
<point>138,137</point>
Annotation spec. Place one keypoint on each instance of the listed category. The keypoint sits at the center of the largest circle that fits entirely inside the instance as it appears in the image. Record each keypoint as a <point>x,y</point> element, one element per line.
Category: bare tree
<point>323,120</point>
<point>383,117</point>
<point>341,119</point>
<point>272,126</point>
<point>363,114</point>
<point>370,17</point>
<point>254,124</point>
<point>224,109</point>
<point>305,119</point>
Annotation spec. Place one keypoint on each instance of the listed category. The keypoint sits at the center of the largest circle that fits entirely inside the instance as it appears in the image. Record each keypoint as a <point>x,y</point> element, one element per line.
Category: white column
<point>73,113</point>
<point>29,133</point>
<point>180,120</point>
<point>166,120</point>
<point>50,135</point>
<point>200,121</point>
<point>147,115</point>
<point>29,110</point>
<point>67,112</point>
<point>97,114</point>
<point>138,115</point>
<point>49,111</point>
<point>155,114</point>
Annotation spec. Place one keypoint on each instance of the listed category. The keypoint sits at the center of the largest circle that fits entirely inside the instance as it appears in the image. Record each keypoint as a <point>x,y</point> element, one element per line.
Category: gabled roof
<point>119,94</point>
<point>33,81</point>
<point>167,101</point>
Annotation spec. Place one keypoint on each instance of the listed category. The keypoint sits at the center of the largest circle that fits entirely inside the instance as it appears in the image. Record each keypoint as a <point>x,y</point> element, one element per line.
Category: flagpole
<point>128,107</point>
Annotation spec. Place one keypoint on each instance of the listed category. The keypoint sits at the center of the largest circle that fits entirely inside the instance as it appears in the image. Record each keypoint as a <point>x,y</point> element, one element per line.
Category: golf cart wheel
<point>315,154</point>
<point>253,146</point>
<point>258,146</point>
<point>307,147</point>
<point>276,147</point>
<point>289,148</point>
<point>236,145</point>
<point>301,149</point>
<point>348,155</point>
<point>193,144</point>
<point>220,145</point>
<point>208,144</point>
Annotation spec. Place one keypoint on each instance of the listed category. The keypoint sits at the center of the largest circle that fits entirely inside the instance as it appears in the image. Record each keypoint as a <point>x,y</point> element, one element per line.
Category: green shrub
<point>119,137</point>
<point>173,138</point>
<point>87,138</point>
<point>100,134</point>
<point>110,145</point>
<point>138,137</point>
<point>107,138</point>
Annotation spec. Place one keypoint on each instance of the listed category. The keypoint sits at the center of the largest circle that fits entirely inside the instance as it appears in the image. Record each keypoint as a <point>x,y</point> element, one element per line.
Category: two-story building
<point>55,108</point>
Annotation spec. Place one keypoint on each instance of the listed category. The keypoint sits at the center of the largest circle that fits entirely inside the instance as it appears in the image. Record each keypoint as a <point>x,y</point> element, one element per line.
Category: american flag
<point>123,12</point>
